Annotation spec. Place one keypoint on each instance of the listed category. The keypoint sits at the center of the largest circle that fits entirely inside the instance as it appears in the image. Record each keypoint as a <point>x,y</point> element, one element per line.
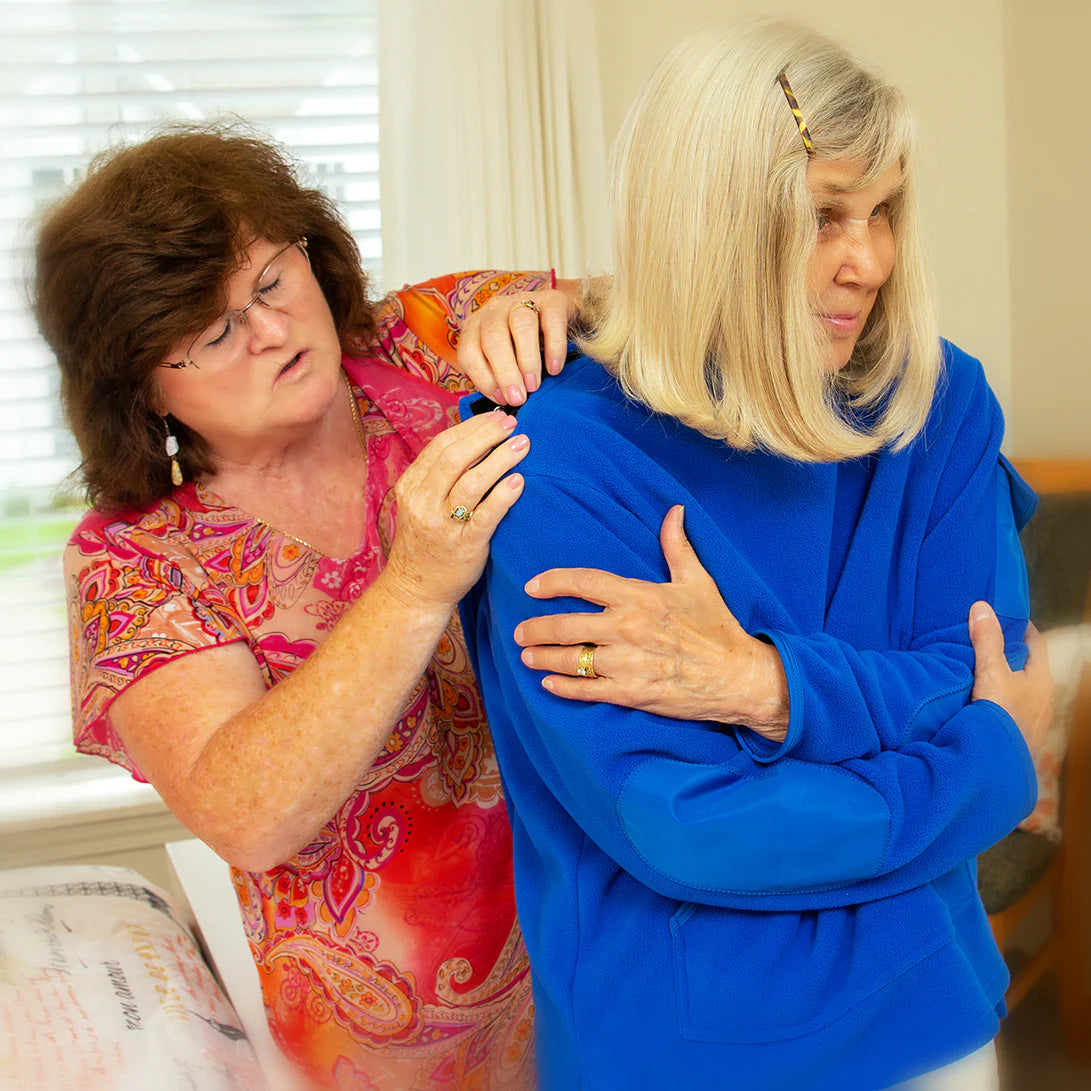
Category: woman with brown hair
<point>261,602</point>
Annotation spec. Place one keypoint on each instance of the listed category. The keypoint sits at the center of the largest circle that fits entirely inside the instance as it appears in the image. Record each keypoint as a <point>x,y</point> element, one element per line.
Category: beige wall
<point>1049,176</point>
<point>1003,233</point>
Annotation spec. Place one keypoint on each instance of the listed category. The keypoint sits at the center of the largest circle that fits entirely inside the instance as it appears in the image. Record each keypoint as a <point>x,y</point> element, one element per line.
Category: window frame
<point>56,790</point>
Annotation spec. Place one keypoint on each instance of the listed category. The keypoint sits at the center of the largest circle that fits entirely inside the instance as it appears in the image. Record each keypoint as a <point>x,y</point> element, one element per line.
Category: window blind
<point>77,76</point>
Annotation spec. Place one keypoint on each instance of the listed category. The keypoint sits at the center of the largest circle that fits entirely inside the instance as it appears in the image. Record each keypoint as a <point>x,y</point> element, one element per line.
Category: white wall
<point>948,58</point>
<point>1050,223</point>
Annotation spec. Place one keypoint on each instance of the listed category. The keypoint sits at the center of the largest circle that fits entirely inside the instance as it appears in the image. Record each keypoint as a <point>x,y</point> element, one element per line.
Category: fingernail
<point>515,395</point>
<point>553,365</point>
<point>514,481</point>
<point>531,586</point>
<point>497,396</point>
<point>548,683</point>
<point>519,636</point>
<point>979,612</point>
<point>531,379</point>
<point>504,421</point>
<point>518,443</point>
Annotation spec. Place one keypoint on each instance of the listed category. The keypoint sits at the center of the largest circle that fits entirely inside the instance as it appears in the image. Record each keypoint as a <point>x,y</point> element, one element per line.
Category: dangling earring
<point>172,453</point>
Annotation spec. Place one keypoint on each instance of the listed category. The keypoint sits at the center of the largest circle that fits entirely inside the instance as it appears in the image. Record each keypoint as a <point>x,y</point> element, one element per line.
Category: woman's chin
<point>838,352</point>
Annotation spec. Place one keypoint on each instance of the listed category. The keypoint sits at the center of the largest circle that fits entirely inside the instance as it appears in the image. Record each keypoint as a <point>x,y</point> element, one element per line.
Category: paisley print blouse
<point>388,949</point>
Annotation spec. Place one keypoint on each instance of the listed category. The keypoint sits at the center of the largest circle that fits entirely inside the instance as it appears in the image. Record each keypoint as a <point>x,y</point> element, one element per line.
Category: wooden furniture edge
<point>1055,475</point>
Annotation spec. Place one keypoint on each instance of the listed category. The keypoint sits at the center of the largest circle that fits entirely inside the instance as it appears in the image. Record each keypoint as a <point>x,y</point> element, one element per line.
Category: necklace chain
<point>359,428</point>
<point>356,417</point>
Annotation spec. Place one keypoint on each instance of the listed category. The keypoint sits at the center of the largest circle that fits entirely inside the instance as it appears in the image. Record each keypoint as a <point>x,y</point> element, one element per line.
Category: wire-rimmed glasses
<point>279,284</point>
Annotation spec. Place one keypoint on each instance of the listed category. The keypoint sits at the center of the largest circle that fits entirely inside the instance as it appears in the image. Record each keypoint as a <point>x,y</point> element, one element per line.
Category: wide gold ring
<point>461,514</point>
<point>585,664</point>
<point>529,303</point>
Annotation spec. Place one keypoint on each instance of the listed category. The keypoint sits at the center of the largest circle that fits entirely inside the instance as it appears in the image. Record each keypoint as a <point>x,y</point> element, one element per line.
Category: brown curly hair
<point>138,256</point>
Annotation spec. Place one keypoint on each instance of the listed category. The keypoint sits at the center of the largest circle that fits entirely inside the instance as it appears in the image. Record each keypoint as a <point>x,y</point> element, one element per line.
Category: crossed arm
<point>683,804</point>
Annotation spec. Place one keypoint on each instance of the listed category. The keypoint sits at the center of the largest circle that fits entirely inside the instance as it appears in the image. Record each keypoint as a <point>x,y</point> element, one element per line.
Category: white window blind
<point>77,76</point>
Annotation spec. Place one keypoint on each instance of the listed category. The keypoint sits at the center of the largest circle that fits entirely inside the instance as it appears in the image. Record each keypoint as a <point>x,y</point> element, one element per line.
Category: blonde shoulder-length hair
<point>708,318</point>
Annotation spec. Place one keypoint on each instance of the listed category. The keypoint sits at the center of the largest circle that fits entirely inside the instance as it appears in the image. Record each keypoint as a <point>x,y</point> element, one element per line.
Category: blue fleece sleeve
<point>683,806</point>
<point>847,702</point>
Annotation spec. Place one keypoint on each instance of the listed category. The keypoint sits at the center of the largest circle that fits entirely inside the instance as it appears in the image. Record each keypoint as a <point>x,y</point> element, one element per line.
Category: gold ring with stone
<point>529,303</point>
<point>462,514</point>
<point>585,664</point>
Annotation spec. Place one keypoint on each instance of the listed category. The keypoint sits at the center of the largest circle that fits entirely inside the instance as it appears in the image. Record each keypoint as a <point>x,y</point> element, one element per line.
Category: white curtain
<point>491,142</point>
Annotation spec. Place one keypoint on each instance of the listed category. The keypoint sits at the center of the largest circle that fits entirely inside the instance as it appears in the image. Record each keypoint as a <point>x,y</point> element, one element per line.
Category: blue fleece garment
<point>706,909</point>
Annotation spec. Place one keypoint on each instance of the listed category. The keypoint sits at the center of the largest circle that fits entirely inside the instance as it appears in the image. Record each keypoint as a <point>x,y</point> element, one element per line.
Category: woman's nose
<point>861,261</point>
<point>265,327</point>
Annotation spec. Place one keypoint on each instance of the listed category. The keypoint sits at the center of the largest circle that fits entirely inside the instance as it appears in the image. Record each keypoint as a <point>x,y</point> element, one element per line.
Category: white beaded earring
<point>172,454</point>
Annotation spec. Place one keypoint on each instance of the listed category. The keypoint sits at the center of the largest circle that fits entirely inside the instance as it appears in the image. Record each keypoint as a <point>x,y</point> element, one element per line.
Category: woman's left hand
<point>501,345</point>
<point>1026,694</point>
<point>670,648</point>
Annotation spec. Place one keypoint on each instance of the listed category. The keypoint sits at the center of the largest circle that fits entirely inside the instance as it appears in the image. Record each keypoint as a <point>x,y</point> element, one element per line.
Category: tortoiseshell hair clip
<point>804,132</point>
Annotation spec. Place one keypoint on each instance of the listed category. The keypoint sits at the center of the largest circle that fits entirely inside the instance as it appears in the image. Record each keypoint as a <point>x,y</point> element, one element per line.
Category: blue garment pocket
<point>747,977</point>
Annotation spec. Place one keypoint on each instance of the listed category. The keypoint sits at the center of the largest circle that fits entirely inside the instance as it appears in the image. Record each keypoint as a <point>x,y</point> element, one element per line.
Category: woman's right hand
<point>502,345</point>
<point>435,558</point>
<point>1027,695</point>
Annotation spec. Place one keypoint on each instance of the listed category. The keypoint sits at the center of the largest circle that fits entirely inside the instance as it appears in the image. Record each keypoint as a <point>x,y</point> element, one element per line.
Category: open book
<point>102,986</point>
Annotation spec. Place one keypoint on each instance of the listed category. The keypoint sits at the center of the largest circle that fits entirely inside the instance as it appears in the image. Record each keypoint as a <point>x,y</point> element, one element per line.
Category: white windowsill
<point>79,812</point>
<point>69,790</point>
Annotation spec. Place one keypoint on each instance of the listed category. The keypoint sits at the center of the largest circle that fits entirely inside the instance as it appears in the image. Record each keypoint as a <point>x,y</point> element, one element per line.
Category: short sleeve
<point>418,326</point>
<point>136,601</point>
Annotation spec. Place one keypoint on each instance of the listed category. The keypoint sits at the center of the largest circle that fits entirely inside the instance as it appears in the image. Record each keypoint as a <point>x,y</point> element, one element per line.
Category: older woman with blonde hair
<point>760,874</point>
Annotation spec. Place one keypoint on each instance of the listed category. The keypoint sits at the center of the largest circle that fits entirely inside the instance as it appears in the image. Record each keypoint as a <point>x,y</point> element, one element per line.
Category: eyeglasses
<point>281,282</point>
